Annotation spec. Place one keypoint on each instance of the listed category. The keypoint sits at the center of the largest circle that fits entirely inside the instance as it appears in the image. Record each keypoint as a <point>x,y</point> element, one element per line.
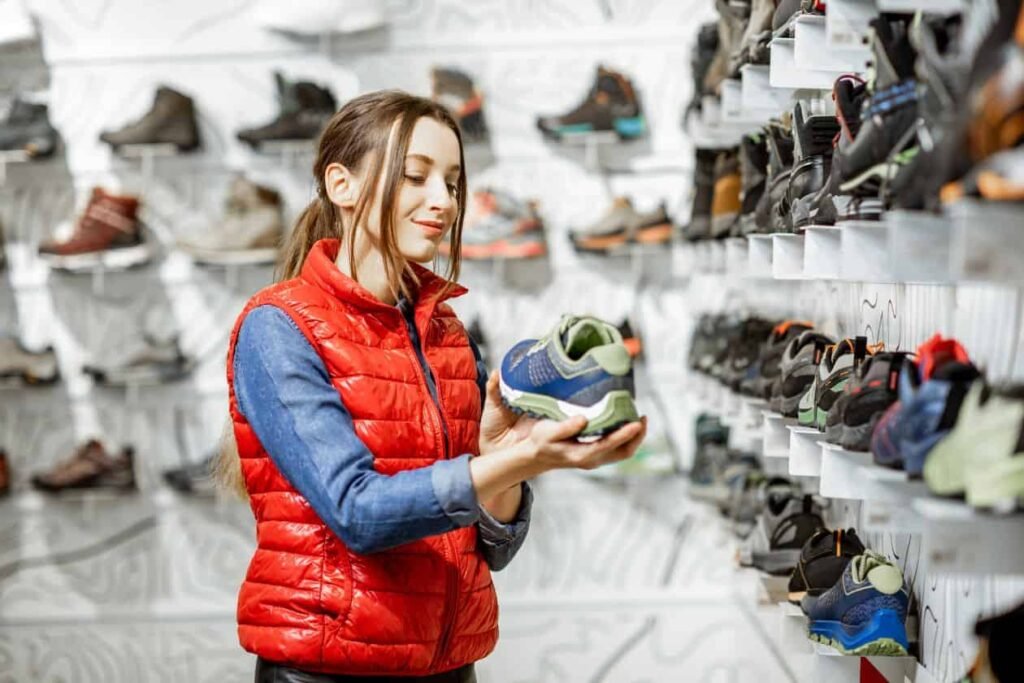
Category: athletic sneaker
<point>865,612</point>
<point>21,365</point>
<point>834,371</point>
<point>822,561</point>
<point>771,356</point>
<point>745,351</point>
<point>798,368</point>
<point>930,394</point>
<point>611,106</point>
<point>91,466</point>
<point>580,368</point>
<point>983,455</point>
<point>788,520</point>
<point>868,394</point>
<point>498,225</point>
<point>456,91</point>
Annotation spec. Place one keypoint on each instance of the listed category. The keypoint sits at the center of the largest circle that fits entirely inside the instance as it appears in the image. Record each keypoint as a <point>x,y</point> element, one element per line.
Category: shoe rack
<point>895,281</point>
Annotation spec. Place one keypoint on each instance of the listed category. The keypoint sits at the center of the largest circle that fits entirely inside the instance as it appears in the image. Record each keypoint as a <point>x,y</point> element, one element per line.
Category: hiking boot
<point>888,116</point>
<point>315,18</point>
<point>726,204</point>
<point>770,357</point>
<point>27,129</point>
<point>170,121</point>
<point>754,174</point>
<point>822,561</point>
<point>250,231</point>
<point>813,135</point>
<point>931,392</point>
<point>305,108</point>
<point>31,367</point>
<point>699,226</point>
<point>455,90</point>
<point>651,227</point>
<point>5,475</point>
<point>731,24</point>
<point>745,351</point>
<point>797,371</point>
<point>836,366</point>
<point>90,468</point>
<point>785,524</point>
<point>611,105</point>
<point>737,13</point>
<point>108,234</point>
<point>757,33</point>
<point>773,208</point>
<point>870,391</point>
<point>498,225</point>
<point>700,60</point>
<point>193,479</point>
<point>157,363</point>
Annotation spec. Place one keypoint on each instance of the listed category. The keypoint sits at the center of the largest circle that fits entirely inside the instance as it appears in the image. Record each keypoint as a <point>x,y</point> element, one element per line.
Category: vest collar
<point>320,269</point>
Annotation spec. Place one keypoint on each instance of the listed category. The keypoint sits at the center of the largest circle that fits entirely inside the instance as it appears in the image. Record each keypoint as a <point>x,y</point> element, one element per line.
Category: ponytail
<point>316,222</point>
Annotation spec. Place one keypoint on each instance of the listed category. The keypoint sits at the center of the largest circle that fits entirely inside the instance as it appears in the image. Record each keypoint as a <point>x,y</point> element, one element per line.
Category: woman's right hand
<point>555,446</point>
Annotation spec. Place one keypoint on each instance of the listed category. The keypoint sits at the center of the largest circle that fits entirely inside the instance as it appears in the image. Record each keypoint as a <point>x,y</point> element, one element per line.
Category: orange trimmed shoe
<point>498,225</point>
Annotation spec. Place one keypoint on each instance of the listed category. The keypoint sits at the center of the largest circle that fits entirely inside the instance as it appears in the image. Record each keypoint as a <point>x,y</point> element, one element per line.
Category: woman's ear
<point>342,186</point>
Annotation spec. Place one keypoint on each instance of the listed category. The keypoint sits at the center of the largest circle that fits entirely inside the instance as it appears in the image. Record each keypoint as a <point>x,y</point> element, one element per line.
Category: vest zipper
<point>452,558</point>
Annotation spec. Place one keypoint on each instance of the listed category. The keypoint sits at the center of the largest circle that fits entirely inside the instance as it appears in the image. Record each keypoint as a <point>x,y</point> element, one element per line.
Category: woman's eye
<point>453,188</point>
<point>415,178</point>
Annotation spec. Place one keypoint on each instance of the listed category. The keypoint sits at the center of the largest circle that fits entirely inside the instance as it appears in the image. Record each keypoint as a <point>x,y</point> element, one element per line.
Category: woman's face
<point>427,202</point>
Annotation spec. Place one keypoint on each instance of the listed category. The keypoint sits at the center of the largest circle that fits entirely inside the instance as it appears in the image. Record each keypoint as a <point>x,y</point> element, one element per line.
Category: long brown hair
<point>360,134</point>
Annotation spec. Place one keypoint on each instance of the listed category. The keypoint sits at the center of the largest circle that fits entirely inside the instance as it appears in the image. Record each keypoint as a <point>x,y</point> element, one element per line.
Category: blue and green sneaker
<point>865,612</point>
<point>581,367</point>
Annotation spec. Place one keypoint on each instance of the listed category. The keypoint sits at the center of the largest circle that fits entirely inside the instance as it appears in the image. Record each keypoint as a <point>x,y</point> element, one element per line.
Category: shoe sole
<point>627,128</point>
<point>858,438</point>
<point>615,409</point>
<point>789,405</point>
<point>883,636</point>
<point>109,259</point>
<point>776,561</point>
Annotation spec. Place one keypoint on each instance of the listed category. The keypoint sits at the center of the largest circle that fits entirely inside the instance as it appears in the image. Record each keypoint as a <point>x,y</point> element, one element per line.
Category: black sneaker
<point>745,351</point>
<point>305,108</point>
<point>771,356</point>
<point>867,395</point>
<point>787,521</point>
<point>754,173</point>
<point>171,120</point>
<point>611,106</point>
<point>27,129</point>
<point>699,226</point>
<point>813,136</point>
<point>772,210</point>
<point>822,561</point>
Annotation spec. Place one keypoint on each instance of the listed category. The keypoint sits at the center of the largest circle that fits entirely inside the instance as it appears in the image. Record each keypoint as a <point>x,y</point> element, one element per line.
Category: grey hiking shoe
<point>171,120</point>
<point>788,520</point>
<point>580,368</point>
<point>608,232</point>
<point>798,368</point>
<point>90,467</point>
<point>249,232</point>
<point>27,129</point>
<point>158,363</point>
<point>18,364</point>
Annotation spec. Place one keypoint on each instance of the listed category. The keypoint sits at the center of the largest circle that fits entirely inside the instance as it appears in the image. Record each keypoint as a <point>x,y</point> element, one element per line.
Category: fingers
<point>493,389</point>
<point>619,445</point>
<point>553,432</point>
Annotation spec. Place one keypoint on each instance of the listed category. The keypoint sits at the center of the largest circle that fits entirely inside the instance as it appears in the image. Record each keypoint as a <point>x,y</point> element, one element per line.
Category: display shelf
<point>863,256</point>
<point>759,256</point>
<point>736,256</point>
<point>804,451</point>
<point>847,22</point>
<point>909,6</point>
<point>809,39</point>
<point>919,674</point>
<point>757,93</point>
<point>734,110</point>
<point>957,538</point>
<point>786,74</point>
<point>919,246</point>
<point>822,252</point>
<point>853,475</point>
<point>709,130</point>
<point>787,256</point>
<point>776,435</point>
<point>986,241</point>
<point>751,410</point>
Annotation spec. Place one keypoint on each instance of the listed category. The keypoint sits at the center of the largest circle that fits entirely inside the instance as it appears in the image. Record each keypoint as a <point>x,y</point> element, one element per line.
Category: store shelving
<point>811,35</point>
<point>786,72</point>
<point>847,22</point>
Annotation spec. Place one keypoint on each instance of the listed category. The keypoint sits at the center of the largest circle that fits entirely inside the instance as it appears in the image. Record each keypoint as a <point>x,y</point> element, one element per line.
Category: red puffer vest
<point>307,600</point>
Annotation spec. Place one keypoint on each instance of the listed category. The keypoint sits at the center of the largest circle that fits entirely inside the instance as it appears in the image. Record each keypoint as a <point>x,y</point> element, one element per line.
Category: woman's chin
<point>421,253</point>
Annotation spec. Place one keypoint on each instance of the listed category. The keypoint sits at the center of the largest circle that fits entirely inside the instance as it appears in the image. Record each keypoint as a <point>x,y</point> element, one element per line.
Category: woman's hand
<point>499,426</point>
<point>555,448</point>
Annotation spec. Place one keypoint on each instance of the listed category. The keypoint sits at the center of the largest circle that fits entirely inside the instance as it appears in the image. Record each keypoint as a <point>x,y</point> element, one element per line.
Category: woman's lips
<point>431,228</point>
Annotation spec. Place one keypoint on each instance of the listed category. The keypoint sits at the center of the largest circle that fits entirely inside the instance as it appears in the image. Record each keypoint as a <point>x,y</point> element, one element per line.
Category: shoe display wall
<point>857,208</point>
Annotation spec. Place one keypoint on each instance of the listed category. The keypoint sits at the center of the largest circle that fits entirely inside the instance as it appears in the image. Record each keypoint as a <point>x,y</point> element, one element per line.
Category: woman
<point>384,486</point>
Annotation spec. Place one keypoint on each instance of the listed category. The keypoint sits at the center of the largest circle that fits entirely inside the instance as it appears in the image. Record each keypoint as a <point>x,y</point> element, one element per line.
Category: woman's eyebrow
<point>454,168</point>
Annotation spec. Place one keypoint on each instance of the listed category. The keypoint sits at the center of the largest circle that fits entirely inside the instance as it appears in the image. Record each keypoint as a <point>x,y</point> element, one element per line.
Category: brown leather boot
<point>170,121</point>
<point>90,467</point>
<point>107,233</point>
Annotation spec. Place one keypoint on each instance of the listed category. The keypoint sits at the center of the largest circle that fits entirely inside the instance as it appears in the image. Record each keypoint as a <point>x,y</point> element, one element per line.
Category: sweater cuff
<point>454,490</point>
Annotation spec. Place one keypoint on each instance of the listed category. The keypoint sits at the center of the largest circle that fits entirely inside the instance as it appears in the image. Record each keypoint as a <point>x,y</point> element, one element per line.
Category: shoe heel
<point>884,635</point>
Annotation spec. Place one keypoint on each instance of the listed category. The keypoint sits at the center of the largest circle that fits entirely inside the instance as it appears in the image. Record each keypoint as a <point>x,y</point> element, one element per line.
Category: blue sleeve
<point>285,394</point>
<point>500,542</point>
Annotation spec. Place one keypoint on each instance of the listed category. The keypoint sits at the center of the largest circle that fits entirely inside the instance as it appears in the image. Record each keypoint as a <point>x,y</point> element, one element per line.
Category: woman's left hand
<point>499,426</point>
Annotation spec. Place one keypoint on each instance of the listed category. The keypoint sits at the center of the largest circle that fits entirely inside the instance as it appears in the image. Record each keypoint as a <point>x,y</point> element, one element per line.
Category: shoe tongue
<point>579,335</point>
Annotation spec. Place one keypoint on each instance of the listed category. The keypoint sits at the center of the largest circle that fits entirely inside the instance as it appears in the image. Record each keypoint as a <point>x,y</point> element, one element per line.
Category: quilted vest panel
<point>308,601</point>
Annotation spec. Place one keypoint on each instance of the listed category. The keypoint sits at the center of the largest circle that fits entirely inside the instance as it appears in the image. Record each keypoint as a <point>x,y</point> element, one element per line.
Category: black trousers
<point>269,672</point>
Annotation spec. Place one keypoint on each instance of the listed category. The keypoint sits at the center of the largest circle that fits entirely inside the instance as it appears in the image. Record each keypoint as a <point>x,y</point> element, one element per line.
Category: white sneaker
<point>315,17</point>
